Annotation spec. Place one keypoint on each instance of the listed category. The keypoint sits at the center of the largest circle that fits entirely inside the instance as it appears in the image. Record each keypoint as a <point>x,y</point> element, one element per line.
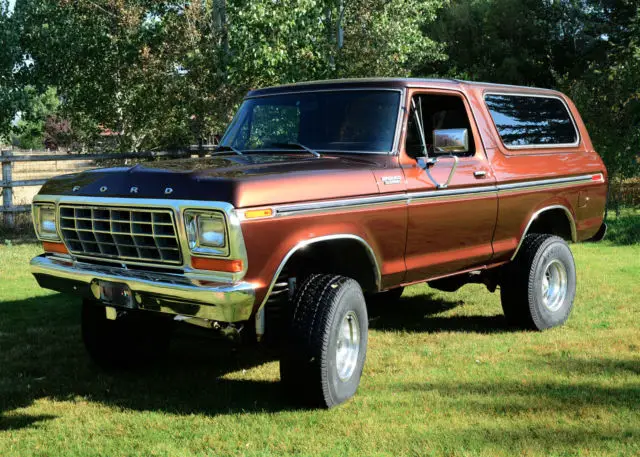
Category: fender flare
<point>570,218</point>
<point>260,321</point>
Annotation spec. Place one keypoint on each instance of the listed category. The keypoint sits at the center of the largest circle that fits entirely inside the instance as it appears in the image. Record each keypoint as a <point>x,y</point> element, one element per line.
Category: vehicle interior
<point>437,112</point>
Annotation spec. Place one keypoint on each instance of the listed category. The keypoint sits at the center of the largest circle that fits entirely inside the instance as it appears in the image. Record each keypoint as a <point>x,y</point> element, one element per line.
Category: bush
<point>624,229</point>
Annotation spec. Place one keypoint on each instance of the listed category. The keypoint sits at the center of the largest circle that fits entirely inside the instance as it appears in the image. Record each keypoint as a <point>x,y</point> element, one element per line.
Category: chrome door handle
<point>480,174</point>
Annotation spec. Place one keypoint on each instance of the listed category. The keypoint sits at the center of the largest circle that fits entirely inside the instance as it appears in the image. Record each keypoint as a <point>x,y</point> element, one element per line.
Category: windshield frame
<point>396,134</point>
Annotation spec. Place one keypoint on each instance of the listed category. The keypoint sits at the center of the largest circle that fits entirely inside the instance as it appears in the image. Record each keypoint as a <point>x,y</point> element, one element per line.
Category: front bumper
<point>162,292</point>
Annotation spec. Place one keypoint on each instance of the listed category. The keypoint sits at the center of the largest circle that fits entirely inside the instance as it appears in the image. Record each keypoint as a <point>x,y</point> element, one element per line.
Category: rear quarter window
<point>525,121</point>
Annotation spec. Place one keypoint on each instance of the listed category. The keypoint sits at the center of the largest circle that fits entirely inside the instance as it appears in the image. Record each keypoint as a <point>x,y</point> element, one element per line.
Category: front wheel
<point>326,345</point>
<point>537,290</point>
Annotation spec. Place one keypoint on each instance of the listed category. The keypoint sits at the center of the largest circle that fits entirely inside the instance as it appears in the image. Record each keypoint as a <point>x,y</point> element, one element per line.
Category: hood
<point>248,180</point>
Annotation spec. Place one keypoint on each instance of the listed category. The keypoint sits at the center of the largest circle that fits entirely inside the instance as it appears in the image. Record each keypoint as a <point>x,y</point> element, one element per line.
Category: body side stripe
<point>419,197</point>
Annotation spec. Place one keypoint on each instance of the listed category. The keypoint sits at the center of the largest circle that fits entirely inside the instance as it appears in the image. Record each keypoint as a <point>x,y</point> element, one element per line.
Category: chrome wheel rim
<point>348,346</point>
<point>554,285</point>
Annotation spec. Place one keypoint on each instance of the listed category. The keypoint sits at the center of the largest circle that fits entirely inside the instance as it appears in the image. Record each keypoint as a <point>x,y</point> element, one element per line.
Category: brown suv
<point>319,195</point>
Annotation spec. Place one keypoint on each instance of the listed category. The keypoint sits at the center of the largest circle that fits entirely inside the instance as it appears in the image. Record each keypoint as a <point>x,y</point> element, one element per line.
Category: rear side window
<point>526,121</point>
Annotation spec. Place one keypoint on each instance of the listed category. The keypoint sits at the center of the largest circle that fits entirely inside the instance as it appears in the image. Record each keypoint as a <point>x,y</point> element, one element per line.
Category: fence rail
<point>8,158</point>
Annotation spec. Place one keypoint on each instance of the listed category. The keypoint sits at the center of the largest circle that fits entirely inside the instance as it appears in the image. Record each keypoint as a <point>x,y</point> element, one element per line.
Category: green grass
<point>444,377</point>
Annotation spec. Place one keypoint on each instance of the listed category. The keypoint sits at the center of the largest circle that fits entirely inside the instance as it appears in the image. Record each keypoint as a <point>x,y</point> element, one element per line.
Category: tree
<point>37,109</point>
<point>585,48</point>
<point>164,73</point>
<point>9,58</point>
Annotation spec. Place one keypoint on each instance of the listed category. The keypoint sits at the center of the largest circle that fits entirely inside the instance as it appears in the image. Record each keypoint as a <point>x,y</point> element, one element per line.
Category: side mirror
<point>450,141</point>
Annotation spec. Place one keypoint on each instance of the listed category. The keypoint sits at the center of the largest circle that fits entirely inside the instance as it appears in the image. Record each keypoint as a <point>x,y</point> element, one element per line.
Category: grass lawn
<point>444,376</point>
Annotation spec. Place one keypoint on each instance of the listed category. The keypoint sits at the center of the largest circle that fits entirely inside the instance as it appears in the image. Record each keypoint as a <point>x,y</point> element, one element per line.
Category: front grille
<point>127,234</point>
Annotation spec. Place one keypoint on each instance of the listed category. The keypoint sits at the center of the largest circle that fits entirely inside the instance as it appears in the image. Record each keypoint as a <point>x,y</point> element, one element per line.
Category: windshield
<point>341,120</point>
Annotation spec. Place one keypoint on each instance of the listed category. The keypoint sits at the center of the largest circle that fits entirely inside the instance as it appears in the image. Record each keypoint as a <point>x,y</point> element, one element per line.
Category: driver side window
<point>436,112</point>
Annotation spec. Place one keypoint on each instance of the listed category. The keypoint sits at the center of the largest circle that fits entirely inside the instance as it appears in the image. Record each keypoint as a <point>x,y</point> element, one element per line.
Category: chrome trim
<point>104,236</point>
<point>429,162</point>
<point>335,205</point>
<point>237,249</point>
<point>534,146</point>
<point>365,80</point>
<point>449,141</point>
<point>311,91</point>
<point>35,219</point>
<point>209,251</point>
<point>321,206</point>
<point>166,293</point>
<point>570,180</point>
<point>572,223</point>
<point>260,323</point>
<point>446,194</point>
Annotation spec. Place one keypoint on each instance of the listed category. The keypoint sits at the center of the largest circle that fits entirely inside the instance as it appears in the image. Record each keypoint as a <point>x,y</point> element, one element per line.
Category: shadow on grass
<point>41,355</point>
<point>625,229</point>
<point>18,421</point>
<point>417,313</point>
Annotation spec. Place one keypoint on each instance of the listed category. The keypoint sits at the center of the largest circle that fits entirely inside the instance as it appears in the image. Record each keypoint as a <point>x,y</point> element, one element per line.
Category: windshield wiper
<point>298,145</point>
<point>226,148</point>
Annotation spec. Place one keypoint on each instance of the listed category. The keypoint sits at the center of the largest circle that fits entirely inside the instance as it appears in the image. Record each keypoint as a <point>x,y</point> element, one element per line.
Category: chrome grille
<point>127,234</point>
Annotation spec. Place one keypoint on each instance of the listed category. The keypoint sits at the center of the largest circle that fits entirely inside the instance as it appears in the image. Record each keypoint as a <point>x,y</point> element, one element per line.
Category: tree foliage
<point>166,73</point>
<point>163,73</point>
<point>9,58</point>
<point>37,109</point>
<point>586,48</point>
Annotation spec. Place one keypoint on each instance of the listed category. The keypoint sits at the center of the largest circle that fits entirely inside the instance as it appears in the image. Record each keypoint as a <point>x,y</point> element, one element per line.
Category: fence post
<point>7,192</point>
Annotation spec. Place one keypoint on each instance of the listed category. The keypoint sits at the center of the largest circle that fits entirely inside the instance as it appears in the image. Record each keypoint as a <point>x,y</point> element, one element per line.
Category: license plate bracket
<point>116,293</point>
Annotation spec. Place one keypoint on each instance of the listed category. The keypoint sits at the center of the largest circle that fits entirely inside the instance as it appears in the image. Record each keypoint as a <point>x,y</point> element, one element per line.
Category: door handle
<point>480,174</point>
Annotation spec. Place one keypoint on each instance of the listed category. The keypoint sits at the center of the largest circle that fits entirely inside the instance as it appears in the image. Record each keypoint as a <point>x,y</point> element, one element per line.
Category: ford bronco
<point>323,197</point>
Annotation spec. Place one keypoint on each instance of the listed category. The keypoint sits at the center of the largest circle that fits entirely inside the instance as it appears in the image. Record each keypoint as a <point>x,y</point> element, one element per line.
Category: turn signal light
<point>58,248</point>
<point>228,266</point>
<point>253,213</point>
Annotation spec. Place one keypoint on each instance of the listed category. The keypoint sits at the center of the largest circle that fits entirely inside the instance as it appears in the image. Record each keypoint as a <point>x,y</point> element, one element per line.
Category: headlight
<point>206,232</point>
<point>44,220</point>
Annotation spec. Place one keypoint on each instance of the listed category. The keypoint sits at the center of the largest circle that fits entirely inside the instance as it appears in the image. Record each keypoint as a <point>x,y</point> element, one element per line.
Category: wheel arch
<point>554,219</point>
<point>372,276</point>
<point>369,277</point>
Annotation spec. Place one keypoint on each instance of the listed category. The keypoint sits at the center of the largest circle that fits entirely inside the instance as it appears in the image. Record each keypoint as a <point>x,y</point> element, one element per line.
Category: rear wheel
<point>539,286</point>
<point>326,344</point>
<point>135,338</point>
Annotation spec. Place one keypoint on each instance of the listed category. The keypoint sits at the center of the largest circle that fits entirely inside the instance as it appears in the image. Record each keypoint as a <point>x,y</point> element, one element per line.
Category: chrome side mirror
<point>450,141</point>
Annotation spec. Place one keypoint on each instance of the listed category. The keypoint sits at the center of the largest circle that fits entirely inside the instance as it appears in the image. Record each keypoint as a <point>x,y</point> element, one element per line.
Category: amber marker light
<point>58,248</point>
<point>254,213</point>
<point>228,266</point>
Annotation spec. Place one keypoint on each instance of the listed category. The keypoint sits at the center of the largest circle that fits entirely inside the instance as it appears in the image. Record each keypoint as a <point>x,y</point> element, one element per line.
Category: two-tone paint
<point>411,230</point>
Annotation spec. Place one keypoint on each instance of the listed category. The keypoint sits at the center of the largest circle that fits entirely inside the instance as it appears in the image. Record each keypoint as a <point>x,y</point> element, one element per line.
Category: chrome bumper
<point>166,293</point>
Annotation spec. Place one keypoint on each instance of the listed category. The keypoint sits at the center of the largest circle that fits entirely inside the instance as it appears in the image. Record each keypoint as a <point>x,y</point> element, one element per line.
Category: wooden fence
<point>8,159</point>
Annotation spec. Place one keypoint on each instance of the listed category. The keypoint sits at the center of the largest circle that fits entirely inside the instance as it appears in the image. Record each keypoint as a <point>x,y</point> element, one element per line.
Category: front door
<point>450,228</point>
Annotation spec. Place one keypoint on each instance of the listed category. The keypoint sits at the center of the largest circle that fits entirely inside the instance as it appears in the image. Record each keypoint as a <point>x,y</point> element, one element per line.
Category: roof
<point>392,83</point>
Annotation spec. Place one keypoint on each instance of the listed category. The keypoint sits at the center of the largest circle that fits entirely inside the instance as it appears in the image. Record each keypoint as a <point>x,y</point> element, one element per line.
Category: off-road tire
<point>135,339</point>
<point>521,285</point>
<point>308,365</point>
